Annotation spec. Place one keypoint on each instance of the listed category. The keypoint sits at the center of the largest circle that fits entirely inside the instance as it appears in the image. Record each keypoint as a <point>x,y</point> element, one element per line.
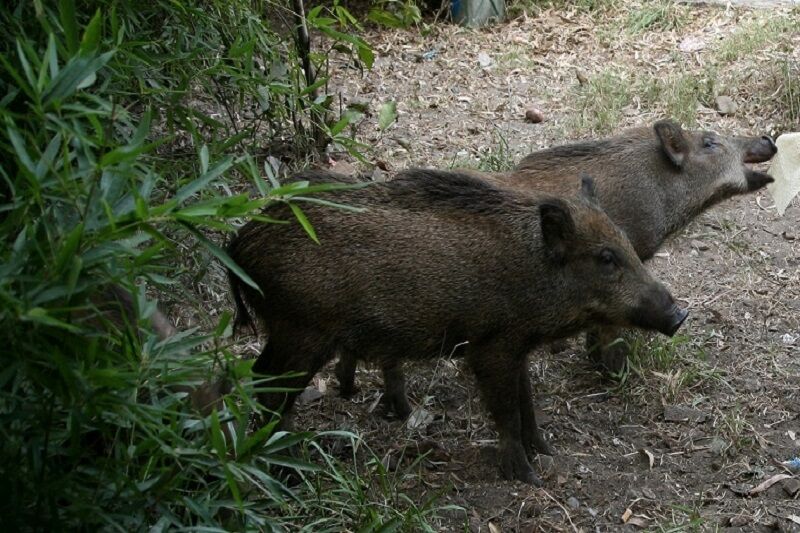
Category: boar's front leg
<point>301,351</point>
<point>531,436</point>
<point>394,385</point>
<point>606,349</point>
<point>497,372</point>
<point>346,374</point>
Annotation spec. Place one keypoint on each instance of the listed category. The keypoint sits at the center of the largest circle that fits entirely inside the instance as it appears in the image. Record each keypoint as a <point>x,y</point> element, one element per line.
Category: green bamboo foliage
<point>109,159</point>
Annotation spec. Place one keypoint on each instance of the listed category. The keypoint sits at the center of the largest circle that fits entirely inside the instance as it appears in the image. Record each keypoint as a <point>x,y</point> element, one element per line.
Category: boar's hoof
<point>514,465</point>
<point>614,359</point>
<point>397,404</point>
<point>558,346</point>
<point>538,443</point>
<point>345,373</point>
<point>347,390</point>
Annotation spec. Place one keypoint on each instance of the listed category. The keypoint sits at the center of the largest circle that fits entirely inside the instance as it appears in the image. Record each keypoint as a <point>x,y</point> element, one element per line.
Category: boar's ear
<point>557,226</point>
<point>588,189</point>
<point>672,139</point>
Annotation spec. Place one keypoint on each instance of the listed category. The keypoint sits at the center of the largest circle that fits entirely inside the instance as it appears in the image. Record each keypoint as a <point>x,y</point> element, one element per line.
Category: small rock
<point>719,446</point>
<point>582,79</point>
<point>405,143</point>
<point>379,175</point>
<point>573,502</point>
<point>739,521</point>
<point>484,60</point>
<point>534,116</point>
<point>310,394</point>
<point>791,486</point>
<point>343,167</point>
<point>691,44</point>
<point>700,245</point>
<point>592,512</point>
<point>726,105</point>
<point>419,418</point>
<point>546,466</point>
<point>789,236</point>
<point>649,494</point>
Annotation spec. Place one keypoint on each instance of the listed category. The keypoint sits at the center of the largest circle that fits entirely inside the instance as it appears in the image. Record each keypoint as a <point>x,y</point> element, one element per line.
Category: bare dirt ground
<point>682,441</point>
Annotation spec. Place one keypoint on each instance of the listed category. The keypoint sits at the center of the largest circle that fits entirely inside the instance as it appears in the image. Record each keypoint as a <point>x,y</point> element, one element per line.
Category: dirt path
<point>705,418</point>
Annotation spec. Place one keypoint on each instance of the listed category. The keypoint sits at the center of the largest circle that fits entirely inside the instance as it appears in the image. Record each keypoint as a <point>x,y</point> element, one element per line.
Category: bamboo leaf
<point>301,217</point>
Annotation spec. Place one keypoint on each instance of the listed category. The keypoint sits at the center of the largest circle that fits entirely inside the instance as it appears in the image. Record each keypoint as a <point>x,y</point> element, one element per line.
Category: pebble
<point>726,105</point>
<point>534,116</point>
<point>573,502</point>
<point>791,486</point>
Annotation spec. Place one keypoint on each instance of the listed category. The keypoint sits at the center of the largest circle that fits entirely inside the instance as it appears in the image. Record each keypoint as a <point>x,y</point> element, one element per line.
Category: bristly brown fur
<point>439,255</point>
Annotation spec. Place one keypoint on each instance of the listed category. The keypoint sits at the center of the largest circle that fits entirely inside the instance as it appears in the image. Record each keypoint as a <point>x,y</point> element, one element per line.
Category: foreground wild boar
<point>651,182</point>
<point>436,260</point>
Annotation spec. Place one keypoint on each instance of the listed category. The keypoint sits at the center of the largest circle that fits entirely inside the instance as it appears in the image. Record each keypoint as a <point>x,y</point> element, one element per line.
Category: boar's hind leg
<point>346,374</point>
<point>497,372</point>
<point>300,352</point>
<point>531,436</point>
<point>394,384</point>
<point>606,349</point>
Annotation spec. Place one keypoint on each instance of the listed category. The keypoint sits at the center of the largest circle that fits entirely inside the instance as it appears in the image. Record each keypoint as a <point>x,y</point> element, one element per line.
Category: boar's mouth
<point>761,150</point>
<point>756,180</point>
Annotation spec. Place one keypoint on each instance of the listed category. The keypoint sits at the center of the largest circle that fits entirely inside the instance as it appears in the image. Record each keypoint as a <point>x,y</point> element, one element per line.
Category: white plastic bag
<point>785,169</point>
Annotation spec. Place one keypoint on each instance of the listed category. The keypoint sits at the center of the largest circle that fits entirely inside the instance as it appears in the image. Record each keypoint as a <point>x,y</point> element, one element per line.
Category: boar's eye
<point>608,258</point>
<point>709,143</point>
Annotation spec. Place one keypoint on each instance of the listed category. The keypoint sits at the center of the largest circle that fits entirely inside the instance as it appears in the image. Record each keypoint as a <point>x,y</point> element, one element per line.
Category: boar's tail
<point>242,317</point>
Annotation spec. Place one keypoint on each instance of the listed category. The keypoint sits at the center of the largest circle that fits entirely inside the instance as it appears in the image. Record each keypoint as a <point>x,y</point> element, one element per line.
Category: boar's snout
<point>658,311</point>
<point>760,150</point>
<point>678,316</point>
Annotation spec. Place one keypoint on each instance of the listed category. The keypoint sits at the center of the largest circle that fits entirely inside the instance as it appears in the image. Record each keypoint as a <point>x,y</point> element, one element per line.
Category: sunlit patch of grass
<point>601,100</point>
<point>495,158</point>
<point>669,367</point>
<point>661,15</point>
<point>677,95</point>
<point>755,35</point>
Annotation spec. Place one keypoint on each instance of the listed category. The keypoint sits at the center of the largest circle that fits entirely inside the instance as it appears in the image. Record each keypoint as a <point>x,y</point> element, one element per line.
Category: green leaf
<point>127,153</point>
<point>204,158</point>
<point>70,247</point>
<point>188,190</point>
<point>301,217</point>
<point>217,438</point>
<point>50,58</point>
<point>19,147</point>
<point>326,203</point>
<point>366,55</point>
<point>26,66</point>
<point>223,256</point>
<point>74,75</point>
<point>91,36</point>
<point>39,315</point>
<point>282,440</point>
<point>66,14</point>
<point>387,115</point>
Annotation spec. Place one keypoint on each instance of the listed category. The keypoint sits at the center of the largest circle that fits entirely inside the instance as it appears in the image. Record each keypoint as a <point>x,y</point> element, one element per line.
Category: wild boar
<point>436,260</point>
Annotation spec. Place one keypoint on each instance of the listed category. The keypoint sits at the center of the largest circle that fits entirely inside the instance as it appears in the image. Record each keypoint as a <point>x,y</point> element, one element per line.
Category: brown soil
<point>626,457</point>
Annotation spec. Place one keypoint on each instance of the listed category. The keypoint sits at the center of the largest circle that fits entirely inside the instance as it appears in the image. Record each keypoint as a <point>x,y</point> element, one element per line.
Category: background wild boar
<point>436,260</point>
<point>651,182</point>
<point>117,306</point>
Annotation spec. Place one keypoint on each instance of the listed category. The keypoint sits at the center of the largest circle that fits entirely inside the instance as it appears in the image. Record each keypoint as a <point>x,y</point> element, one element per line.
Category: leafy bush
<point>112,147</point>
